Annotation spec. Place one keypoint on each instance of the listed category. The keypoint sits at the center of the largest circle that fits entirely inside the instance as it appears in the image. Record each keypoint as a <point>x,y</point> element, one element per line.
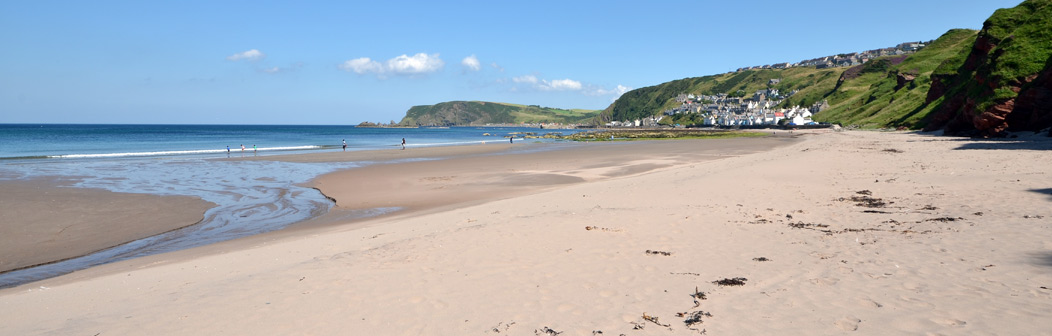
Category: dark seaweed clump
<point>695,318</point>
<point>731,282</point>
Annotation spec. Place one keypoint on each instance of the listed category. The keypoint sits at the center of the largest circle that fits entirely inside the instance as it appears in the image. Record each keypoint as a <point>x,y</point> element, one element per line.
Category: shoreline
<point>432,270</point>
<point>926,248</point>
<point>421,159</point>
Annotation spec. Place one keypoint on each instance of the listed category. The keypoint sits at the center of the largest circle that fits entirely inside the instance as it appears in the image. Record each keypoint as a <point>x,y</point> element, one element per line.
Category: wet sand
<point>43,221</point>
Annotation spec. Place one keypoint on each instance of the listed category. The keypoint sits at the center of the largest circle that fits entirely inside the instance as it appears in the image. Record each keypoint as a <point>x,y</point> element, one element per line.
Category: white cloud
<point>561,85</point>
<point>549,85</point>
<point>250,55</point>
<point>471,63</point>
<point>272,70</point>
<point>616,92</point>
<point>531,79</point>
<point>362,66</point>
<point>416,64</point>
<point>402,65</point>
<point>495,66</point>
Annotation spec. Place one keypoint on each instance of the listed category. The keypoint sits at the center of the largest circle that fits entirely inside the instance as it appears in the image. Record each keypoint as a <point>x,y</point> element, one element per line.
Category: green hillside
<point>465,113</point>
<point>1011,58</point>
<point>891,91</point>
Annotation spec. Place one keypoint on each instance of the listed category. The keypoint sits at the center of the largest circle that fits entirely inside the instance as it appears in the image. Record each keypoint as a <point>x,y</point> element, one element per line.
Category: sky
<point>345,62</point>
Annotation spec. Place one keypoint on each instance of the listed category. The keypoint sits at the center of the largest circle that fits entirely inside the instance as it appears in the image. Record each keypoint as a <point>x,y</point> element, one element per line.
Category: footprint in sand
<point>869,303</point>
<point>847,323</point>
<point>949,322</point>
<point>825,281</point>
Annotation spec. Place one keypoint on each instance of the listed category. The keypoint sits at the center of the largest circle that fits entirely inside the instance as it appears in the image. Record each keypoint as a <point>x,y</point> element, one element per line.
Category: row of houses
<point>792,116</point>
<point>723,110</point>
<point>645,122</point>
<point>846,60</point>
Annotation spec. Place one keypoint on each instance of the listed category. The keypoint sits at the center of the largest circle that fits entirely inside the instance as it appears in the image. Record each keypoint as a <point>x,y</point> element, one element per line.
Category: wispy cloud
<point>548,85</point>
<point>274,70</point>
<point>532,82</point>
<point>418,64</point>
<point>560,85</point>
<point>249,55</point>
<point>471,63</point>
<point>531,79</point>
<point>362,65</point>
<point>616,92</point>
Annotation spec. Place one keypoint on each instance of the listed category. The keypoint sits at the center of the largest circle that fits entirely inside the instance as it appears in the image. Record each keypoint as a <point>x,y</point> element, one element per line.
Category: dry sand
<point>961,245</point>
<point>43,222</point>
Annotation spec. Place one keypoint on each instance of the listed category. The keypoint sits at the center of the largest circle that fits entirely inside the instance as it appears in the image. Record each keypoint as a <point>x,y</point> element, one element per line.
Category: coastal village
<point>761,108</point>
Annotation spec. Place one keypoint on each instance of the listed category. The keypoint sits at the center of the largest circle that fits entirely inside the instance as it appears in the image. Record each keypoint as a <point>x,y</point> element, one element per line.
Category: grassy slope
<point>1022,44</point>
<point>871,99</point>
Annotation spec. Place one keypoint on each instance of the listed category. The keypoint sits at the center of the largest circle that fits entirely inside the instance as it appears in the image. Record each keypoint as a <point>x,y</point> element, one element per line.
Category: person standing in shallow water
<point>403,143</point>
<point>344,145</point>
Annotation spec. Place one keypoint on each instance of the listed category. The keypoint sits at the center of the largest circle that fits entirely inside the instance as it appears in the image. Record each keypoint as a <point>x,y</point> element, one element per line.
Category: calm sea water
<point>26,141</point>
<point>251,197</point>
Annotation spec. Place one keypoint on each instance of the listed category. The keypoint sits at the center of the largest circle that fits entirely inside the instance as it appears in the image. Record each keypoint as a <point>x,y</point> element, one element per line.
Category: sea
<point>251,197</point>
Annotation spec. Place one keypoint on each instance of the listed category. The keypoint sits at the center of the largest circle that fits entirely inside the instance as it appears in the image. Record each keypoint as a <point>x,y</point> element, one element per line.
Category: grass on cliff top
<point>1023,35</point>
<point>1021,38</point>
<point>634,135</point>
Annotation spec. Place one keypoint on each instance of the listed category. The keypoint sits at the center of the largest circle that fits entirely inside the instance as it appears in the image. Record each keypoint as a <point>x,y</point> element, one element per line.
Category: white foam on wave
<point>185,152</point>
<point>438,144</point>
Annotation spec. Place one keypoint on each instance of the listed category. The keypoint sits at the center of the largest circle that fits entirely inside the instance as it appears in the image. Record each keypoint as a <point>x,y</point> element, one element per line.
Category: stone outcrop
<point>903,79</point>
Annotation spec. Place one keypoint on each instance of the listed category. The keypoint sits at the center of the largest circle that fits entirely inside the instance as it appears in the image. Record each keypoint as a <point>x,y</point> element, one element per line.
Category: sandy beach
<point>827,233</point>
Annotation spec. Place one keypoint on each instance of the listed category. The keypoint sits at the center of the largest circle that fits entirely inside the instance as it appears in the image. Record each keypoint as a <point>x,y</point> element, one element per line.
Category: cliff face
<point>1003,83</point>
<point>1033,108</point>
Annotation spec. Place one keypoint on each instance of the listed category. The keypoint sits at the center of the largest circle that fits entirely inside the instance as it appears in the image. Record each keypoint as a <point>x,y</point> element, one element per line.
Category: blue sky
<point>319,62</point>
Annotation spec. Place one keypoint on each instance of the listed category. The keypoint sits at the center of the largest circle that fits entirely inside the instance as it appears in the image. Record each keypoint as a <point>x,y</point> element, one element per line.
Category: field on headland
<point>869,232</point>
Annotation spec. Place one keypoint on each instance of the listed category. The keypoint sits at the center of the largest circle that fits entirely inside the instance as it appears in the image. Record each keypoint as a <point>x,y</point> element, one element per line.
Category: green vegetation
<point>1019,43</point>
<point>885,94</point>
<point>463,113</point>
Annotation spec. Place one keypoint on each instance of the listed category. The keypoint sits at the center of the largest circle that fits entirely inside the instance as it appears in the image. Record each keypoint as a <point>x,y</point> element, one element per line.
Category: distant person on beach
<point>254,149</point>
<point>242,148</point>
<point>228,149</point>
<point>403,143</point>
<point>344,145</point>
<point>511,140</point>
